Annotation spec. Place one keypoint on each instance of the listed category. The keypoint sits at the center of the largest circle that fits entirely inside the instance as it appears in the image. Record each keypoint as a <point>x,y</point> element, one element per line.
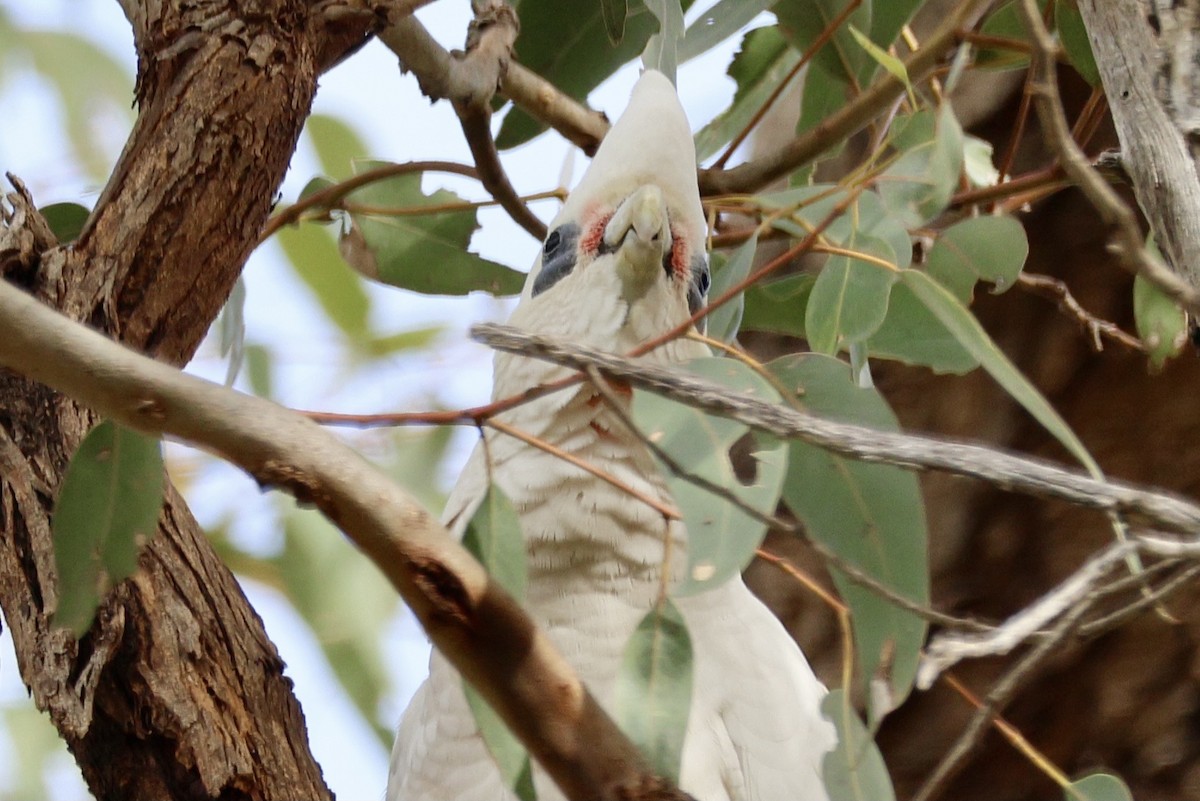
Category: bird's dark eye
<point>703,280</point>
<point>552,243</point>
<point>558,257</point>
<point>699,286</point>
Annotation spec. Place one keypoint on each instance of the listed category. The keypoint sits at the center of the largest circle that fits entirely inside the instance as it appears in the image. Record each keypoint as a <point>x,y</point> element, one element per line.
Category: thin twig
<point>1056,290</point>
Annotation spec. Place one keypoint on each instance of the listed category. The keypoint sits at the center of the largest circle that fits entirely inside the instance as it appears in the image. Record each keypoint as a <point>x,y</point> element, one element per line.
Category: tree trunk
<point>176,692</point>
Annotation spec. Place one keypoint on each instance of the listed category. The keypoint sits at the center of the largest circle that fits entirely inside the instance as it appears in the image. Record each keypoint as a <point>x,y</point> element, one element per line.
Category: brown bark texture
<point>176,691</point>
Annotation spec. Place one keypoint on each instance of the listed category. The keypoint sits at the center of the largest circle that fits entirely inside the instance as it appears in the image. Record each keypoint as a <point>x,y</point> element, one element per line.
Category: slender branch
<point>331,196</point>
<point>1015,473</point>
<point>1128,243</point>
<point>1056,290</point>
<point>857,114</point>
<point>473,622</point>
<point>469,80</point>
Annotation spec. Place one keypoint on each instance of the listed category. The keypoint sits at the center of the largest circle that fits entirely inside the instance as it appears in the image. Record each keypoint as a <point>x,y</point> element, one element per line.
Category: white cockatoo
<point>624,262</point>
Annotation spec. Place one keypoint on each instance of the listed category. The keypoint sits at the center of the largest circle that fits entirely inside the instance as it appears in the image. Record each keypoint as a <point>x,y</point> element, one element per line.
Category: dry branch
<point>1015,473</point>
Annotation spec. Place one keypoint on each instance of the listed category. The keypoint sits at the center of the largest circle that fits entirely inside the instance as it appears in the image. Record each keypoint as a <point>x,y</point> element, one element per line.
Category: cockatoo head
<point>625,260</point>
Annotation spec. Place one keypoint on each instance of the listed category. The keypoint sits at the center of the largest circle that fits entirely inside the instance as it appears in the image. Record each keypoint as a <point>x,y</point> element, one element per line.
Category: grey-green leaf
<point>758,68</point>
<point>991,248</point>
<point>107,510</point>
<point>614,12</point>
<point>662,49</point>
<point>1097,787</point>
<point>871,515</point>
<point>778,305</point>
<point>970,334</point>
<point>653,693</point>
<point>724,19</point>
<point>854,770</point>
<point>1074,38</point>
<point>314,256</point>
<point>911,334</point>
<point>919,184</point>
<point>507,751</point>
<point>848,302</point>
<point>1161,324</point>
<point>426,253</point>
<point>493,536</point>
<point>337,144</point>
<point>723,322</point>
<point>721,537</point>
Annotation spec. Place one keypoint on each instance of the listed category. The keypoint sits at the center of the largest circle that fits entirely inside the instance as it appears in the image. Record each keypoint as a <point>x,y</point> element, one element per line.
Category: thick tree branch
<point>1128,243</point>
<point>473,622</point>
<point>1150,79</point>
<point>1014,473</point>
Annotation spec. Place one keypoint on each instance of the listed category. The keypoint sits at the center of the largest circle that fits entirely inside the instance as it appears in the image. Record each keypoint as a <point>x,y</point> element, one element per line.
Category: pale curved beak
<point>639,233</point>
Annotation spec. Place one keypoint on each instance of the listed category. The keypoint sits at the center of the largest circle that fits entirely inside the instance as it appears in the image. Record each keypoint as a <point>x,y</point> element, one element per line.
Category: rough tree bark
<point>176,691</point>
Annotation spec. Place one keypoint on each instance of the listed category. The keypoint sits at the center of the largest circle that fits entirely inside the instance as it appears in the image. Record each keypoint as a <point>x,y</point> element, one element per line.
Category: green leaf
<point>724,19</point>
<point>871,515</point>
<point>848,302</point>
<point>315,568</point>
<point>1097,787</point>
<point>66,220</point>
<point>1074,38</point>
<point>507,751</point>
<point>337,145</point>
<point>662,50</point>
<point>314,256</point>
<point>258,370</point>
<point>991,248</point>
<point>970,334</point>
<point>614,12</point>
<point>1005,23</point>
<point>887,18</point>
<point>778,305</point>
<point>1161,324</point>
<point>912,334</point>
<point>866,225</point>
<point>721,537</point>
<point>919,184</point>
<point>653,693</point>
<point>565,42</point>
<point>387,344</point>
<point>426,253</point>
<point>758,68</point>
<point>854,770</point>
<point>107,510</point>
<point>882,57</point>
<point>804,21</point>
<point>822,96</point>
<point>723,322</point>
<point>493,536</point>
<point>977,162</point>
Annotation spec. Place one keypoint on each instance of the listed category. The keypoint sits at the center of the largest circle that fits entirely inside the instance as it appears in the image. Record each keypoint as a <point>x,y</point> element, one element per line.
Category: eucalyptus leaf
<point>718,23</point>
<point>758,68</point>
<point>653,693</point>
<point>315,568</point>
<point>1098,787</point>
<point>871,515</point>
<point>614,13</point>
<point>723,322</point>
<point>507,751</point>
<point>1005,24</point>
<point>1074,38</point>
<point>426,253</point>
<point>337,144</point>
<point>805,21</point>
<point>849,300</point>
<point>662,49</point>
<point>106,512</point>
<point>990,248</point>
<point>854,770</point>
<point>1161,324</point>
<point>779,305</point>
<point>721,537</point>
<point>919,184</point>
<point>913,335</point>
<point>313,254</point>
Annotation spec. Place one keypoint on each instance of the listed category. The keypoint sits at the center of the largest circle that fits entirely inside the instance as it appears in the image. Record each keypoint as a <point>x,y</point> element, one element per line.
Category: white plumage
<point>624,262</point>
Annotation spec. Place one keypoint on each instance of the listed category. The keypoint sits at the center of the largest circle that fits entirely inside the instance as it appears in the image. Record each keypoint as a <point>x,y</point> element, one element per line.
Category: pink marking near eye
<point>594,234</point>
<point>680,262</point>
